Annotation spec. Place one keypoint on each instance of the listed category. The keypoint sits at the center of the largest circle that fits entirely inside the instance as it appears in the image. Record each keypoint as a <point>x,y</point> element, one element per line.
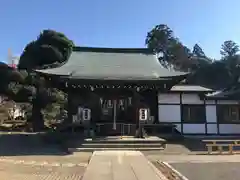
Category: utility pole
<point>10,57</point>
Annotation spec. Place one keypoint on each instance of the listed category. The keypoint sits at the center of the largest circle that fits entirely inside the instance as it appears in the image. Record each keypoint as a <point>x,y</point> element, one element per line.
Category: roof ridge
<point>113,50</point>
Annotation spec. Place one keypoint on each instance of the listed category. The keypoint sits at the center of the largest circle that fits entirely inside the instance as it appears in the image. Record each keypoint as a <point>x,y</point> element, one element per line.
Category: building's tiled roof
<point>232,93</point>
<point>193,88</point>
<point>113,64</point>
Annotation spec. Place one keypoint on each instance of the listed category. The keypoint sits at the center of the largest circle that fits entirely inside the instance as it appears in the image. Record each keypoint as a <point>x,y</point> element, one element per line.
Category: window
<point>193,113</point>
<point>228,113</point>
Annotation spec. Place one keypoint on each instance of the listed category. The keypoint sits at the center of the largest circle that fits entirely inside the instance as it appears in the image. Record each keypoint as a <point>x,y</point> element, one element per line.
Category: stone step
<point>100,145</point>
<point>116,143</point>
<point>122,144</point>
<point>125,141</point>
<point>85,149</point>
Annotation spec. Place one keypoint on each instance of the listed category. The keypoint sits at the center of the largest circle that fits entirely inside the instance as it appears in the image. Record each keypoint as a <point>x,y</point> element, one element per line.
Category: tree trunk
<point>37,119</point>
<point>37,116</point>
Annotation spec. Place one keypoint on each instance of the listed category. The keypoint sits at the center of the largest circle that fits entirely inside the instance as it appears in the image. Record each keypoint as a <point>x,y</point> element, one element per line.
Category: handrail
<point>122,127</point>
<point>129,125</point>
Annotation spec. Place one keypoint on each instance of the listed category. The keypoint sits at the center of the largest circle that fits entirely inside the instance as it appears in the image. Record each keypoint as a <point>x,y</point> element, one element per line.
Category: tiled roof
<point>190,88</point>
<point>113,64</point>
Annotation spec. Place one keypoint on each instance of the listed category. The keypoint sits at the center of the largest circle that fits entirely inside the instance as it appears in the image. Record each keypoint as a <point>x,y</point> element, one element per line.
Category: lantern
<point>109,104</point>
<point>121,102</point>
<point>101,101</point>
<point>129,101</point>
<point>75,119</point>
<point>86,114</point>
<point>143,114</point>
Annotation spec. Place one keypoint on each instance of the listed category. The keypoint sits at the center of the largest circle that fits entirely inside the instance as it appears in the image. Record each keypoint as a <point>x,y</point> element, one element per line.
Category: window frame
<point>229,117</point>
<point>193,120</point>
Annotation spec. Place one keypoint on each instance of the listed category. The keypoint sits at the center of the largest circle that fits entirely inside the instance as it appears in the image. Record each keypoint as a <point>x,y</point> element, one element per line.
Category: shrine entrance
<point>116,116</point>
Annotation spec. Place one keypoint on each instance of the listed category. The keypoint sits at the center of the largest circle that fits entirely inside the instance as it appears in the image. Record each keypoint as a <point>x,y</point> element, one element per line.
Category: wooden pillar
<point>156,109</point>
<point>135,102</point>
<point>69,103</point>
<point>94,105</point>
<point>136,105</point>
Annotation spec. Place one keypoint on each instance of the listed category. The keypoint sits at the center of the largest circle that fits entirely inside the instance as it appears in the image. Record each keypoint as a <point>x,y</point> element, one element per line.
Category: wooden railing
<point>220,144</point>
<point>125,129</point>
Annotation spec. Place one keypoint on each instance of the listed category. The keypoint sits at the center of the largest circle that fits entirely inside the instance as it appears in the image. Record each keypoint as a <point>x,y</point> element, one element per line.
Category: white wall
<point>212,129</point>
<point>191,99</point>
<point>164,98</point>
<point>170,111</point>
<point>227,102</point>
<point>229,128</point>
<point>211,112</point>
<point>210,102</point>
<point>194,128</point>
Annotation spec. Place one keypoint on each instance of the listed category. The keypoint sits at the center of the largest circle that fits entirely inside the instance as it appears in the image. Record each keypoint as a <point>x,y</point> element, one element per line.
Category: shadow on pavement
<point>19,144</point>
<point>192,144</point>
<point>183,145</point>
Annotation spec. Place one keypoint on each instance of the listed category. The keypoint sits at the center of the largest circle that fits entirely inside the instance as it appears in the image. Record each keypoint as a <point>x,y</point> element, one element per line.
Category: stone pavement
<point>209,171</point>
<point>194,158</point>
<point>119,165</point>
<point>198,167</point>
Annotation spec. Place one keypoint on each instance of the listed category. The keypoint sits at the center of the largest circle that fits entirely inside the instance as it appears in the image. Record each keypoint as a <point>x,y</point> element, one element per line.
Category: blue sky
<point>119,23</point>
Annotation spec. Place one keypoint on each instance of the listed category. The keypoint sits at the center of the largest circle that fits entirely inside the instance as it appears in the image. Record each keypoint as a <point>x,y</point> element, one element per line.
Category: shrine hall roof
<point>112,64</point>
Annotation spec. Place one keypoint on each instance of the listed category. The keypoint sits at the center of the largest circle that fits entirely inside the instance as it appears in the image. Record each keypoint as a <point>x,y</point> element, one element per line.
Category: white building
<point>194,112</point>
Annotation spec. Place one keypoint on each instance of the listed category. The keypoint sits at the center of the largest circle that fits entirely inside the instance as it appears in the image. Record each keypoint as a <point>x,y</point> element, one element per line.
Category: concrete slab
<point>126,138</point>
<point>119,165</point>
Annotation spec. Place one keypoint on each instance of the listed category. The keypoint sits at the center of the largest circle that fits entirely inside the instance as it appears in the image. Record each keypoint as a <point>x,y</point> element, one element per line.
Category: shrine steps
<point>84,149</point>
<point>117,143</point>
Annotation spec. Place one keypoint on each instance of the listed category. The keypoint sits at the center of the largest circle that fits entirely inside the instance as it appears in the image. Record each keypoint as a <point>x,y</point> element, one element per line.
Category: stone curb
<point>175,171</point>
<point>158,172</point>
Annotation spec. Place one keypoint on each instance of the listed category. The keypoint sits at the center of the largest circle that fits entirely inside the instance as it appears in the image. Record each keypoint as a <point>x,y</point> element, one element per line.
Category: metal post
<point>114,114</point>
<point>129,129</point>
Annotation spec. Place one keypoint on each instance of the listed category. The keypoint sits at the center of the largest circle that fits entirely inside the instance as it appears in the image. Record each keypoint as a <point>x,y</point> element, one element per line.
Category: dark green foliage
<point>23,85</point>
<point>173,54</point>
<point>229,49</point>
<point>215,76</point>
<point>159,38</point>
<point>197,51</point>
<point>50,48</point>
<point>9,74</point>
<point>162,42</point>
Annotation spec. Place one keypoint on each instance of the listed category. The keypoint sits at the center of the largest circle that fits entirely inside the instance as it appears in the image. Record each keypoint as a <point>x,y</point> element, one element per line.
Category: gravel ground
<point>75,158</point>
<point>9,171</point>
<point>26,156</point>
<point>209,171</point>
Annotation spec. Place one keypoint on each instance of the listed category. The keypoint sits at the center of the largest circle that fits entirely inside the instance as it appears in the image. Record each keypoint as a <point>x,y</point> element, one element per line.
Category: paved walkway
<point>119,165</point>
